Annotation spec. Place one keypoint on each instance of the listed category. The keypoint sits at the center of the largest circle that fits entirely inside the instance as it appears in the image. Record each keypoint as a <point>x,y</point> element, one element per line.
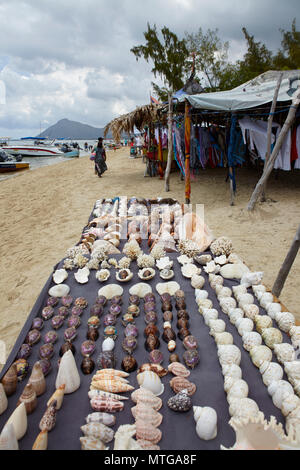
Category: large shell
<point>98,430</point>
<point>146,274</point>
<point>150,381</point>
<point>110,291</point>
<point>206,422</point>
<point>3,399</point>
<point>180,383</point>
<point>19,421</point>
<point>272,336</point>
<point>167,287</point>
<point>141,289</point>
<point>142,412</point>
<point>8,440</point>
<point>68,373</point>
<point>142,395</point>
<point>260,354</point>
<point>59,276</point>
<point>234,271</point>
<point>243,408</point>
<point>147,432</point>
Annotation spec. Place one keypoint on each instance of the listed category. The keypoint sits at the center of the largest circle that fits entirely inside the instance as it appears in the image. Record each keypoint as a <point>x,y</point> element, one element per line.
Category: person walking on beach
<point>100,158</point>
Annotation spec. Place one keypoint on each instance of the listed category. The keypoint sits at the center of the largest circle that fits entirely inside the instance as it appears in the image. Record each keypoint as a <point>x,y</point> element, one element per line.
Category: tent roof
<point>256,92</point>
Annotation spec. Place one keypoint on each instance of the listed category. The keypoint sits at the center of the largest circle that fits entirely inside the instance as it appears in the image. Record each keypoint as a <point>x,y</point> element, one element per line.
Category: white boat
<point>36,148</point>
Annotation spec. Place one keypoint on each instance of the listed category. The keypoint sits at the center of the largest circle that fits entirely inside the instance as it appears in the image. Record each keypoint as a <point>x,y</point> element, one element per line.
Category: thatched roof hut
<point>139,118</point>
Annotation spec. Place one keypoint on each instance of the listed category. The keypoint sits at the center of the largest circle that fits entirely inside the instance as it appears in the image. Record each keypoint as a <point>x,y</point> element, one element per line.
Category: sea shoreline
<point>44,211</point>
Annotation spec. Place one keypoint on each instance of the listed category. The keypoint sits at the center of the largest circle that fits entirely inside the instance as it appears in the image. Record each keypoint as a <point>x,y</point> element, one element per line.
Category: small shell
<point>99,431</point>
<point>279,391</point>
<point>28,397</point>
<point>150,381</point>
<point>113,386</point>
<point>245,299</point>
<point>108,345</point>
<point>146,274</point>
<point>227,303</point>
<point>210,314</point>
<point>142,395</point>
<point>239,389</point>
<point>206,422</point>
<point>41,442</point>
<point>223,291</point>
<point>223,338</point>
<point>272,336</point>
<point>235,314</point>
<point>37,379</point>
<point>148,415</point>
<point>289,404</point>
<point>239,290</point>
<point>216,326</point>
<point>10,381</point>
<point>251,339</point>
<point>244,325</point>
<point>260,354</point>
<point>106,405</point>
<point>147,432</point>
<point>251,310</point>
<point>167,274</point>
<point>103,418</point>
<point>179,370</point>
<point>266,299</point>
<point>229,354</point>
<point>180,402</point>
<point>48,420</point>
<point>272,309</point>
<point>262,322</point>
<point>58,397</point>
<point>178,384</point>
<point>284,352</point>
<point>285,321</point>
<point>243,408</point>
<point>59,291</point>
<point>3,399</point>
<point>90,443</point>
<point>197,281</point>
<point>59,276</point>
<point>232,370</point>
<point>271,372</point>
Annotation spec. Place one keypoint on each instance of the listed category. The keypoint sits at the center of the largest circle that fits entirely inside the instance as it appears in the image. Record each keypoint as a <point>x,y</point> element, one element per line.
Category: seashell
<point>28,397</point>
<point>179,370</point>
<point>266,299</point>
<point>41,442</point>
<point>184,259</point>
<point>68,346</point>
<point>227,303</point>
<point>146,414</point>
<point>129,364</point>
<point>152,342</point>
<point>99,431</point>
<point>145,396</point>
<point>127,319</point>
<point>182,333</point>
<point>262,322</point>
<point>292,369</point>
<point>22,368</point>
<point>10,381</point>
<point>150,297</point>
<point>108,345</point>
<point>251,339</point>
<point>59,276</point>
<point>87,348</point>
<point>191,358</point>
<point>190,342</point>
<point>239,389</point>
<point>140,289</point>
<point>93,322</point>
<point>37,324</point>
<point>8,440</point>
<point>289,404</point>
<point>210,314</point>
<point>279,391</point>
<point>48,420</point>
<point>58,397</point>
<point>216,326</point>
<point>52,302</point>
<point>212,268</point>
<point>46,351</point>
<point>245,299</point>
<point>272,336</point>
<point>74,321</point>
<point>124,275</point>
<point>168,316</point>
<point>96,310</point>
<point>260,354</point>
<point>57,322</point>
<point>46,366</point>
<point>105,404</point>
<point>250,279</point>
<point>173,358</point>
<point>37,379</point>
<point>229,354</point>
<point>33,337</point>
<point>251,311</point>
<point>259,289</point>
<point>180,304</point>
<point>157,368</point>
<point>197,281</point>
<point>203,259</point>
<point>76,310</point>
<point>150,381</point>
<point>133,310</point>
<point>3,400</point>
<point>68,373</point>
<point>147,432</point>
<point>164,263</point>
<point>24,351</point>
<point>295,332</point>
<point>156,357</point>
<point>189,270</point>
<point>70,334</point>
<point>285,321</point>
<point>272,309</point>
<point>201,294</point>
<point>129,344</point>
<point>221,260</point>
<point>244,325</point>
<point>240,289</point>
<point>103,418</point>
<point>204,305</point>
<point>234,271</point>
<point>235,314</point>
<point>167,287</point>
<point>18,419</point>
<point>180,383</point>
<point>106,360</point>
<point>182,323</point>
<point>228,382</point>
<point>47,312</point>
<point>102,275</point>
<point>183,314</point>
<point>149,306</point>
<point>110,291</point>
<point>112,386</point>
<point>134,300</point>
<point>167,274</point>
<point>223,338</point>
<point>223,291</point>
<point>81,302</point>
<point>271,372</point>
<point>243,408</point>
<point>67,301</point>
<point>90,443</point>
<point>206,422</point>
<point>146,274</point>
<point>110,319</point>
<point>180,402</point>
<point>59,291</point>
<point>171,345</point>
<point>232,370</point>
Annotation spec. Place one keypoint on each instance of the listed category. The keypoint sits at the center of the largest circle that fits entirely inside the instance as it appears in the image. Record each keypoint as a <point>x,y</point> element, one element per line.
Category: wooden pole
<point>160,155</point>
<point>269,168</point>
<point>170,143</point>
<point>286,267</point>
<point>187,138</point>
<point>269,133</point>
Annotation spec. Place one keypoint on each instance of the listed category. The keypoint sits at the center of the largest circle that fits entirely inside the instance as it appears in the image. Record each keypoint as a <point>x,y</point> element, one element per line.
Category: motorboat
<point>34,148</point>
<point>9,163</point>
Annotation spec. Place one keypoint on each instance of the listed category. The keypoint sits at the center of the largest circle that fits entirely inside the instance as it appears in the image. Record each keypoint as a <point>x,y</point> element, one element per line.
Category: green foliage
<point>288,58</point>
<point>168,57</point>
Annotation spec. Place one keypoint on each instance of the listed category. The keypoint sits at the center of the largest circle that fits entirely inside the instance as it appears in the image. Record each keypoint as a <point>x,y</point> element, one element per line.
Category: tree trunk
<point>187,139</point>
<point>286,267</point>
<point>269,134</point>
<point>269,168</point>
<point>170,142</point>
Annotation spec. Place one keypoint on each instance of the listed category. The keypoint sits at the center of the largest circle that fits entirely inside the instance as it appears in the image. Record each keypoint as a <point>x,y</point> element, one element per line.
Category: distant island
<point>73,130</point>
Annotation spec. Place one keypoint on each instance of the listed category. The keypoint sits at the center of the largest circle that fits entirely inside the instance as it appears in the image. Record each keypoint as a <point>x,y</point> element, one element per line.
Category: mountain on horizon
<point>72,130</point>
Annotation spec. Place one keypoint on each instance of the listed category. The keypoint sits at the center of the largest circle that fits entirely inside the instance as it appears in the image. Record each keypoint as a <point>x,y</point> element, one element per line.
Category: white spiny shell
<point>243,408</point>
<point>206,422</point>
<point>244,325</point>
<point>295,333</point>
<point>223,291</point>
<point>140,289</point>
<point>210,314</point>
<point>270,371</point>
<point>68,373</point>
<point>292,369</point>
<point>59,276</point>
<point>234,271</point>
<point>227,303</point>
<point>284,352</point>
<point>235,314</point>
<point>232,370</point>
<point>272,336</point>
<point>285,320</point>
<point>289,404</point>
<point>110,291</point>
<point>239,389</point>
<point>203,305</point>
<point>59,291</point>
<point>82,275</point>
<point>259,290</point>
<point>272,309</point>
<point>251,339</point>
<point>250,279</point>
<point>251,310</point>
<point>260,354</point>
<point>197,281</point>
<point>167,287</point>
<point>245,299</point>
<point>164,263</point>
<point>216,326</point>
<point>266,298</point>
<point>229,381</point>
<point>201,294</point>
<point>8,440</point>
<point>184,259</point>
<point>223,338</point>
<point>229,354</point>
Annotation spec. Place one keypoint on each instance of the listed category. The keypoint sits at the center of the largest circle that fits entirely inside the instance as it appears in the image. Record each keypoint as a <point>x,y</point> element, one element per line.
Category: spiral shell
<point>239,389</point>
<point>272,336</point>
<point>227,303</point>
<point>146,414</point>
<point>243,408</point>
<point>235,314</point>
<point>251,339</point>
<point>28,397</point>
<point>259,354</point>
<point>262,322</point>
<point>223,338</point>
<point>232,370</point>
<point>266,299</point>
<point>244,325</point>
<point>141,395</point>
<point>110,385</point>
<point>178,384</point>
<point>284,352</point>
<point>147,432</point>
<point>251,310</point>
<point>229,354</point>
<point>216,326</point>
<point>98,430</point>
<point>272,309</point>
<point>271,372</point>
<point>178,369</point>
<point>285,321</point>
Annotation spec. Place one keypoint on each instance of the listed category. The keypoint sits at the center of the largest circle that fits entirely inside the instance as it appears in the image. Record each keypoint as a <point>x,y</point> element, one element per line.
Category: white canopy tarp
<point>256,92</point>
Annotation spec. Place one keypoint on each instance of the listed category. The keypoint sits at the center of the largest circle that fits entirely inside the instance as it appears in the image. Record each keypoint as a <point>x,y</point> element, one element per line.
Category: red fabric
<point>294,151</point>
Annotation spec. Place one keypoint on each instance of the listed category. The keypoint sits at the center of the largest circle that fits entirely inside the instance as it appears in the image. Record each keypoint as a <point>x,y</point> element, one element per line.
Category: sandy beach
<point>43,212</point>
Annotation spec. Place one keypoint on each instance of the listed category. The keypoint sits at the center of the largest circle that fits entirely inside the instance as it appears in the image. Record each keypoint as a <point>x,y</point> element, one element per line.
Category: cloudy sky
<point>71,59</point>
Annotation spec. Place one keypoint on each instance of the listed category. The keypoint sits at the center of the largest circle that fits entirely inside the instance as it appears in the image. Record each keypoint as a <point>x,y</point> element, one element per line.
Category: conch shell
<point>8,440</point>
<point>68,374</point>
<point>19,421</point>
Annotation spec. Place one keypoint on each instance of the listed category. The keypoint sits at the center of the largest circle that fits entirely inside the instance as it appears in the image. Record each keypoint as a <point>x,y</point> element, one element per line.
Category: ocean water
<point>38,162</point>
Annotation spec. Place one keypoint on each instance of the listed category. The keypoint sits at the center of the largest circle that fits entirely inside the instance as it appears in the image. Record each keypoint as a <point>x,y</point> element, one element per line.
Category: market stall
<point>145,299</point>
